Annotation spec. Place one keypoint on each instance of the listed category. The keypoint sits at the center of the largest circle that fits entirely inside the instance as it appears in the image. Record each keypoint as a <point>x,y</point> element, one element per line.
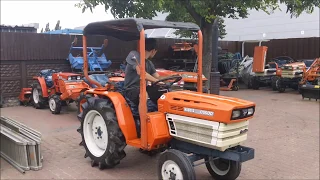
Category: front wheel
<point>55,104</point>
<point>223,169</point>
<point>175,165</point>
<point>101,136</point>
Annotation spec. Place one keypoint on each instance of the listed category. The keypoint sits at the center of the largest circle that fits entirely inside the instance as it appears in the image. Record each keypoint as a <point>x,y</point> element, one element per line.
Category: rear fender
<point>43,85</point>
<point>123,113</point>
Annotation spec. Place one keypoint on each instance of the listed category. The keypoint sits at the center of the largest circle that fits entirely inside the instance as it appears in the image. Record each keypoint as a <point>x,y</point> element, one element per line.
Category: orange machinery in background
<point>309,86</point>
<point>259,59</point>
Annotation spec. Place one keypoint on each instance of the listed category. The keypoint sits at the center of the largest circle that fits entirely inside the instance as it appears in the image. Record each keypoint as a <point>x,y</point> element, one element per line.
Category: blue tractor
<point>97,60</point>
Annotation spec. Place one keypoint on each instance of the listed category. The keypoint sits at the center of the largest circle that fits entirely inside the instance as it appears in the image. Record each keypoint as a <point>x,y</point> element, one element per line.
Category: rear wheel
<point>55,104</point>
<point>175,165</point>
<point>249,83</point>
<point>101,136</point>
<point>80,102</point>
<point>223,169</point>
<point>280,86</point>
<point>38,100</point>
<point>274,83</point>
<point>255,83</point>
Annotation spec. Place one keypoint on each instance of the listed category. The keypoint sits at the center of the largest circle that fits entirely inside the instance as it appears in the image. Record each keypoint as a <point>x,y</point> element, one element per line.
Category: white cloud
<point>42,12</point>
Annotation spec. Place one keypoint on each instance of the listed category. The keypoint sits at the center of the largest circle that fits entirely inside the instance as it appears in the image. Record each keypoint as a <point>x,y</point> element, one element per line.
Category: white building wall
<point>278,25</point>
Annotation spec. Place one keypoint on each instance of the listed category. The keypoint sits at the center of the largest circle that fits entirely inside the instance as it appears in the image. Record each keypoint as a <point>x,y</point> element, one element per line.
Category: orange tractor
<point>56,88</point>
<point>188,82</point>
<point>309,86</point>
<point>187,126</point>
<point>290,75</point>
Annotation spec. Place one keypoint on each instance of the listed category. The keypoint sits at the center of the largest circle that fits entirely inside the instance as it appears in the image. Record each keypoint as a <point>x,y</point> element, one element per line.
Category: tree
<point>47,28</point>
<point>58,27</point>
<point>202,12</point>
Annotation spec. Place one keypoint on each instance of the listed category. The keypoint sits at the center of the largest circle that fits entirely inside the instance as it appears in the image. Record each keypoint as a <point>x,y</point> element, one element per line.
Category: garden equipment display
<point>291,74</point>
<point>187,126</point>
<point>181,57</point>
<point>310,82</point>
<point>96,58</point>
<point>20,145</point>
<point>183,50</point>
<point>56,88</point>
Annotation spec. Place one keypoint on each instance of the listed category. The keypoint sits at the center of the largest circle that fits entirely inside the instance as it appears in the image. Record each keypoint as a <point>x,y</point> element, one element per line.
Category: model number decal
<point>197,111</point>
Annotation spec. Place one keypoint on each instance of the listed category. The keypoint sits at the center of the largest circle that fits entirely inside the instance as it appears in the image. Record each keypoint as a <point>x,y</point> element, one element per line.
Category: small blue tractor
<point>97,61</point>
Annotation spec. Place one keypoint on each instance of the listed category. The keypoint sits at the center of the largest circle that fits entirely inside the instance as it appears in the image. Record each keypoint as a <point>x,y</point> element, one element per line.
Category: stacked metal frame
<point>20,145</point>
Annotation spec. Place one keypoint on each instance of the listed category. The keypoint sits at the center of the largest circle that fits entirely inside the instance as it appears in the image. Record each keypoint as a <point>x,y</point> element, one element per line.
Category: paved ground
<point>284,133</point>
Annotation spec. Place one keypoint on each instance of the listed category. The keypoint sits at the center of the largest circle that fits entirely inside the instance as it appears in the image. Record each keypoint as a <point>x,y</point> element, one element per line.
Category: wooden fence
<point>23,55</point>
<point>297,48</point>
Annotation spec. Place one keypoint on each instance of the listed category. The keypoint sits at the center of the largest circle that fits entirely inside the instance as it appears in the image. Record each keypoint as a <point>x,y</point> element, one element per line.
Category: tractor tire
<point>38,101</point>
<point>249,83</point>
<point>299,89</point>
<point>174,164</point>
<point>101,136</point>
<point>223,169</point>
<point>55,104</point>
<point>274,83</point>
<point>235,88</point>
<point>81,100</point>
<point>295,87</point>
<point>280,86</point>
<point>255,83</point>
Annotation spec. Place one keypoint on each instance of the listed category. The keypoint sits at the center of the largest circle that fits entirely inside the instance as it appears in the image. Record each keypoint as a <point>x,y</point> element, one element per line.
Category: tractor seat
<point>102,79</point>
<point>47,74</point>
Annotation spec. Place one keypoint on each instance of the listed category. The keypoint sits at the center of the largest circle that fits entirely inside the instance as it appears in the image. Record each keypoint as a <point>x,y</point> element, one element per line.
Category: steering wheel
<point>176,78</point>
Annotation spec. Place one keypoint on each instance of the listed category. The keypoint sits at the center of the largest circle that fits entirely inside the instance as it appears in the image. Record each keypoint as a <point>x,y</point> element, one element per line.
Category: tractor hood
<point>205,106</point>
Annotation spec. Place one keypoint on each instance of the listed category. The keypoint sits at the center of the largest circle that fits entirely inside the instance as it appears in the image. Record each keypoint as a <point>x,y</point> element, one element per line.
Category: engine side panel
<point>158,131</point>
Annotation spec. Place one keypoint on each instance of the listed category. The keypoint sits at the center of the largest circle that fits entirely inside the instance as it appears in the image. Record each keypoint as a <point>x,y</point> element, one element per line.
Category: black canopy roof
<point>129,29</point>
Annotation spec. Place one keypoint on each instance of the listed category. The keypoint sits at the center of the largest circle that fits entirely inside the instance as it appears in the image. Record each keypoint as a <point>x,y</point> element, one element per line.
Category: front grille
<point>207,133</point>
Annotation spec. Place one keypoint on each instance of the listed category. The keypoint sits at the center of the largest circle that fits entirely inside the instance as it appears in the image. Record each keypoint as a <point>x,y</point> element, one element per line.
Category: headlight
<point>78,77</point>
<point>236,114</point>
<point>242,113</point>
<point>69,78</point>
<point>250,111</point>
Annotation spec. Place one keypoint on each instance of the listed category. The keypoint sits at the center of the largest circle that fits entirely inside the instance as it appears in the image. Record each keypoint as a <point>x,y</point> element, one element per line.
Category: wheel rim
<point>52,104</point>
<point>170,170</point>
<point>35,95</point>
<point>95,133</point>
<point>220,166</point>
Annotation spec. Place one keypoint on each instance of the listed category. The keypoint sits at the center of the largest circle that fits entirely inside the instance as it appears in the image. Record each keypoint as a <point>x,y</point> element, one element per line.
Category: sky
<point>14,12</point>
<point>277,25</point>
